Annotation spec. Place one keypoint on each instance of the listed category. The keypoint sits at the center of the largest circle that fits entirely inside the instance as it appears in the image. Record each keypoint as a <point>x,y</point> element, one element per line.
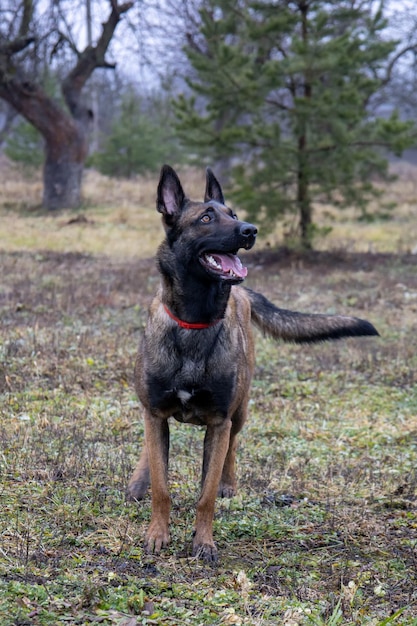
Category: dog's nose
<point>248,230</point>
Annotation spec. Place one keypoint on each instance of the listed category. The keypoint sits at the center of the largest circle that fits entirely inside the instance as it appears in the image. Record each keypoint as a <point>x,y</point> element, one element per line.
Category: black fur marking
<point>305,327</point>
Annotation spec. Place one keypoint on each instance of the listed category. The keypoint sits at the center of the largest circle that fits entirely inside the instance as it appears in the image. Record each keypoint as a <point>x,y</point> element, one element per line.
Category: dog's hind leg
<point>216,444</point>
<point>140,479</point>
<point>228,482</point>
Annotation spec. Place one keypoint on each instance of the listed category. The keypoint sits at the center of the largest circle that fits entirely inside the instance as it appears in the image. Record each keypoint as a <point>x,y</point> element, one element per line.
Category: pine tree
<point>140,138</point>
<point>284,89</point>
<point>24,145</point>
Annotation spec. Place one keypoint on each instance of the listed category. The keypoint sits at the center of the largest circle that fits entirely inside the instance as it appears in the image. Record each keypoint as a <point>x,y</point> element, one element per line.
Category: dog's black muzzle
<point>247,235</point>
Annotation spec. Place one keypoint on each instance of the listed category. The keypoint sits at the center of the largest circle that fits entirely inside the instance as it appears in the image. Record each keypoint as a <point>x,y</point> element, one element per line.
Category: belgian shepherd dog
<point>196,358</point>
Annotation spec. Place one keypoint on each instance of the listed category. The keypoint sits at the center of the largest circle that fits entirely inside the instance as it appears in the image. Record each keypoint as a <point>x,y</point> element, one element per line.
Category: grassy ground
<point>324,529</point>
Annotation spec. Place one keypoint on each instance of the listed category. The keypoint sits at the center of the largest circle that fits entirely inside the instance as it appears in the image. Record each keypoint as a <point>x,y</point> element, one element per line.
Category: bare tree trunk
<point>303,182</point>
<point>66,142</point>
<point>62,182</point>
<point>303,198</point>
<point>66,149</point>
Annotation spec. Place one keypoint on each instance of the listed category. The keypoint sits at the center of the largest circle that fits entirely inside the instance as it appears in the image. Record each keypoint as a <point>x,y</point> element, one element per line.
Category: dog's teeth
<point>213,262</point>
<point>218,266</point>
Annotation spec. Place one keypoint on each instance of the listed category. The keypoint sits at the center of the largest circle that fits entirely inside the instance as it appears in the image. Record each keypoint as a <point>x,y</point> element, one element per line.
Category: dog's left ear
<point>213,189</point>
<point>170,196</point>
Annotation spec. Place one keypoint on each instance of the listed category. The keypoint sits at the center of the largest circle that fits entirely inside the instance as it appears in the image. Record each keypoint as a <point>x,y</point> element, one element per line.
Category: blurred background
<point>305,109</point>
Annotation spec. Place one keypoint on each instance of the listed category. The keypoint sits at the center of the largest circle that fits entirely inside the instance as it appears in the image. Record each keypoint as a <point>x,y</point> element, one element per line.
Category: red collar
<point>187,325</point>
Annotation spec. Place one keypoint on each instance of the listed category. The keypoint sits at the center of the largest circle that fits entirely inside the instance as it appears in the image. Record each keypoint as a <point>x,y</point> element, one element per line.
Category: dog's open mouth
<point>227,266</point>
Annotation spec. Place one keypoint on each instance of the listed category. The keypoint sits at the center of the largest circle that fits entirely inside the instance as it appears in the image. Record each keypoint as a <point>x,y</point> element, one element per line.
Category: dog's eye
<point>205,218</point>
<point>234,216</point>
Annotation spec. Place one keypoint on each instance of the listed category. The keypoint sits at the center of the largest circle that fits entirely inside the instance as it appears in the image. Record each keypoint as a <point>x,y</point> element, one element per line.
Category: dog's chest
<point>198,406</point>
<point>192,399</point>
<point>192,381</point>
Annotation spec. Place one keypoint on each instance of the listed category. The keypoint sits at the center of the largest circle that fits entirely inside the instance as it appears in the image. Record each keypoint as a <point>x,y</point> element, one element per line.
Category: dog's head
<point>205,235</point>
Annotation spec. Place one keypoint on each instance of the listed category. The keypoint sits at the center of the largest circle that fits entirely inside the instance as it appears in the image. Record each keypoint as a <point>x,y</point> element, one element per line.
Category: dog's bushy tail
<point>304,327</point>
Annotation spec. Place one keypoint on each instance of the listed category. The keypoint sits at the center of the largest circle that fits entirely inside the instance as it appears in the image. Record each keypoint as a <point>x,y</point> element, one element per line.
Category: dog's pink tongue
<point>231,262</point>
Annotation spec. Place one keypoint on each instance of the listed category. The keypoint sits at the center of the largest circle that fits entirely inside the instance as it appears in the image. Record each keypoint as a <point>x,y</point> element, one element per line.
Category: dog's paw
<point>207,552</point>
<point>156,538</point>
<point>226,490</point>
<point>137,489</point>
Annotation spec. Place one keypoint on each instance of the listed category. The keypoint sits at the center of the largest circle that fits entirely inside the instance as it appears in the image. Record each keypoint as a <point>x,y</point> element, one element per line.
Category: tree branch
<point>91,58</point>
<point>394,60</point>
<point>26,18</point>
<point>355,144</point>
<point>194,45</point>
<point>17,45</point>
<point>278,105</point>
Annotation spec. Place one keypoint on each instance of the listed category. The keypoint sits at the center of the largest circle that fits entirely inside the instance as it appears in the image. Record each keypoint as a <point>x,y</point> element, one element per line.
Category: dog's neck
<point>192,301</point>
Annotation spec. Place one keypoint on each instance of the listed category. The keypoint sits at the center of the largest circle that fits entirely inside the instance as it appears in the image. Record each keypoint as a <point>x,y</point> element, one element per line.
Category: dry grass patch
<point>119,218</point>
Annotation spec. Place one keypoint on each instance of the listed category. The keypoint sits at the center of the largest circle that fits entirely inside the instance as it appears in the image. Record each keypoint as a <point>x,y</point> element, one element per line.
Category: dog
<point>196,358</point>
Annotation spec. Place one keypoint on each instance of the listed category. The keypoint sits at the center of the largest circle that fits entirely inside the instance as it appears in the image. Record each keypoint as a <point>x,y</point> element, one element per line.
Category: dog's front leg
<point>216,443</point>
<point>157,443</point>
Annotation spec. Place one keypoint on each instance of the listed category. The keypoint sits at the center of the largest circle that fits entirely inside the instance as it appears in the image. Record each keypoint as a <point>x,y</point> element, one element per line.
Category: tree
<point>28,31</point>
<point>140,138</point>
<point>285,89</point>
<point>401,89</point>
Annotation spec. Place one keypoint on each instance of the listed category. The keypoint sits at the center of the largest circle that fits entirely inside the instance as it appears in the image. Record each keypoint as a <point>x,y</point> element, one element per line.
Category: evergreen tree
<point>24,145</point>
<point>284,89</point>
<point>139,140</point>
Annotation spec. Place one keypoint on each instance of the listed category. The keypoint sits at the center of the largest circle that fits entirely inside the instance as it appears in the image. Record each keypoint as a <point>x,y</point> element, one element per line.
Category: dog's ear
<point>213,189</point>
<point>171,197</point>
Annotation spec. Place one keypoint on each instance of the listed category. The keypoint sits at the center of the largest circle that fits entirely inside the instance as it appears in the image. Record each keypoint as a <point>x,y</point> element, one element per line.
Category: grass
<point>324,528</point>
<point>116,219</point>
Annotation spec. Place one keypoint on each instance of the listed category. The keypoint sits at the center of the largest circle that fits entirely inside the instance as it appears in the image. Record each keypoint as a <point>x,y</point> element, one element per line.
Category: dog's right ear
<point>171,197</point>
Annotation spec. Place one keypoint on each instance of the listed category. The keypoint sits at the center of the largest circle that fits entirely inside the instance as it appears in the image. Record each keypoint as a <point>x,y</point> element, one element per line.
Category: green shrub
<point>139,140</point>
<point>25,145</point>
